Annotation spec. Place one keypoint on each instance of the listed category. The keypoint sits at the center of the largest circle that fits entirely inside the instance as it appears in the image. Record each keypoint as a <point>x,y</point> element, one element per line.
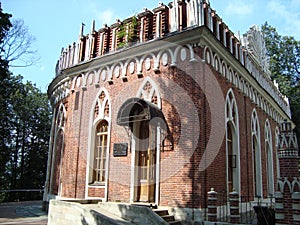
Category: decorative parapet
<point>287,198</point>
<point>288,153</point>
<point>257,63</point>
<point>178,16</point>
<point>254,43</point>
<point>288,146</point>
<point>292,185</point>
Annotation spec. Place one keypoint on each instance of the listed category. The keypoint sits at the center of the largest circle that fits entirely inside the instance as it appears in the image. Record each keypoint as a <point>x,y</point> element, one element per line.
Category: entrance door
<point>146,158</point>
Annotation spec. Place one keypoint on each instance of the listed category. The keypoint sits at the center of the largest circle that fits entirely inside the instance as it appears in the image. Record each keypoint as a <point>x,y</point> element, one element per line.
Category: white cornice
<point>103,67</point>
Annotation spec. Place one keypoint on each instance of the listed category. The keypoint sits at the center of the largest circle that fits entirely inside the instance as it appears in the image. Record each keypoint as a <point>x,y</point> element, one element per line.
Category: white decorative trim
<point>91,139</point>
<point>59,125</point>
<point>229,70</point>
<point>232,119</point>
<point>247,88</point>
<point>269,158</point>
<point>256,146</point>
<point>254,42</point>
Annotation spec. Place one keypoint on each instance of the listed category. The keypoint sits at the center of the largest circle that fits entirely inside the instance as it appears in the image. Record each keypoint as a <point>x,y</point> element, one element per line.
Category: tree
<point>17,46</point>
<point>5,25</point>
<point>29,128</point>
<point>32,122</point>
<point>4,93</point>
<point>284,53</point>
<point>24,116</point>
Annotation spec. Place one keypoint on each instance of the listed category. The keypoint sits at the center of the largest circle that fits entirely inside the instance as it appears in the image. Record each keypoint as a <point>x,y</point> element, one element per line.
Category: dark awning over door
<point>135,110</point>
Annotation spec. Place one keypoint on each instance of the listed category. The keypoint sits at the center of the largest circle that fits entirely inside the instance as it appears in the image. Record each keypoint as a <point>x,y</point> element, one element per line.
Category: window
<point>57,152</point>
<point>100,152</point>
<point>256,155</point>
<point>99,140</point>
<point>269,158</point>
<point>230,158</point>
<point>232,143</point>
<point>277,147</point>
<point>149,92</point>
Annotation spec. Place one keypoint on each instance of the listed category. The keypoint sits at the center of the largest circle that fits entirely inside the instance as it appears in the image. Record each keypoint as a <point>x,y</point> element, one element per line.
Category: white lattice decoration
<point>254,42</point>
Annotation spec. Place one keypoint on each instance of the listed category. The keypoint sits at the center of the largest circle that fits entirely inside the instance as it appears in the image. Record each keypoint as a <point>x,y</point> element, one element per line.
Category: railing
<point>247,214</point>
<point>17,195</point>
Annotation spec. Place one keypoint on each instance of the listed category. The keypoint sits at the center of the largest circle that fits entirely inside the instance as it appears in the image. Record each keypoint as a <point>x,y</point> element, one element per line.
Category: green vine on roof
<point>128,32</point>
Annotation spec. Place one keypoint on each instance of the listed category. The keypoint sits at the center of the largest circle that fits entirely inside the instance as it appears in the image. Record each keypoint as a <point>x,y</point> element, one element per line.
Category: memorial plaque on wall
<point>120,149</point>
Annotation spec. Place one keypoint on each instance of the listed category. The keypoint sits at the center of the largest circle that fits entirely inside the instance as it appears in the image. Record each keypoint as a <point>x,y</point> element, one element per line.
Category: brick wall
<point>187,187</point>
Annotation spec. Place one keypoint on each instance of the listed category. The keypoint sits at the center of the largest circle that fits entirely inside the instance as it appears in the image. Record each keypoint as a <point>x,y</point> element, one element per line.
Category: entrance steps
<point>164,213</point>
<point>108,213</point>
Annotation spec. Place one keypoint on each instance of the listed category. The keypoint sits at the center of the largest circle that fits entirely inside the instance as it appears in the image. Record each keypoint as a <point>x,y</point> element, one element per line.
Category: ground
<point>22,213</point>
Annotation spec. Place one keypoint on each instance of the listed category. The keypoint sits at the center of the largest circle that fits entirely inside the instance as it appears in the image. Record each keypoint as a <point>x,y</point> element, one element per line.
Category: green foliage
<point>5,25</point>
<point>26,137</point>
<point>284,53</point>
<point>128,32</point>
<point>25,118</point>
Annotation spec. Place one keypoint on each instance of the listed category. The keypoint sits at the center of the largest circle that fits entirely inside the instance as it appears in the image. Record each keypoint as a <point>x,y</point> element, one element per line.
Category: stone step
<point>164,214</point>
<point>175,223</point>
<point>168,218</point>
<point>161,212</point>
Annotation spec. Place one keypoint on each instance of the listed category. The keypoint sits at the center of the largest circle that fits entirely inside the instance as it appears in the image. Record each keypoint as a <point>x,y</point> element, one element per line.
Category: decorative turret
<point>288,153</point>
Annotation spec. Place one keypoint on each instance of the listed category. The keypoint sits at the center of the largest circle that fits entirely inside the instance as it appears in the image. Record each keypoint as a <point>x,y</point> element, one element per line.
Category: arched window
<point>269,158</point>
<point>100,151</point>
<point>99,146</point>
<point>58,148</point>
<point>256,155</point>
<point>232,143</point>
<point>277,147</point>
<point>149,92</point>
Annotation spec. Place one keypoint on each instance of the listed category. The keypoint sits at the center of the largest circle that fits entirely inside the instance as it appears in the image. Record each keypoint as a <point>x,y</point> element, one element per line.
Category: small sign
<point>120,149</point>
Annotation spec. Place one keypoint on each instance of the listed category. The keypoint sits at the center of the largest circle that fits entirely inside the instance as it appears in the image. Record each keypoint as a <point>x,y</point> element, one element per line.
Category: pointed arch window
<point>277,147</point>
<point>149,92</point>
<point>232,143</point>
<point>256,155</point>
<point>58,148</point>
<point>99,152</point>
<point>269,158</point>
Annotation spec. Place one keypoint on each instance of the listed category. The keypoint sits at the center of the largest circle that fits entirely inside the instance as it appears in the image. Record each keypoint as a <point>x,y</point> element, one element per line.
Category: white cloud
<point>107,16</point>
<point>97,11</point>
<point>239,8</point>
<point>288,17</point>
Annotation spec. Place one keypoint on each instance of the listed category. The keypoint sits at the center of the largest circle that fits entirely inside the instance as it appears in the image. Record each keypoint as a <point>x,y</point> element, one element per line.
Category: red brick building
<point>161,107</point>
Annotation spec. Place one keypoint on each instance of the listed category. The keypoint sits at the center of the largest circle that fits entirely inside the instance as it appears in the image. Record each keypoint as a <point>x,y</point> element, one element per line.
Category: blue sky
<point>56,23</point>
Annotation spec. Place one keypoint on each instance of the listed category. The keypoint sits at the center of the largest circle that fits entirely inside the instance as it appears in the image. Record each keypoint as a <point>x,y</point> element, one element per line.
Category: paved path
<point>22,213</point>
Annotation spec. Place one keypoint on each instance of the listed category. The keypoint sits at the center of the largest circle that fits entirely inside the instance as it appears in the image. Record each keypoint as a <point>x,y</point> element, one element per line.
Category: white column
<point>113,47</point>
<point>193,12</point>
<point>142,30</point>
<point>101,44</point>
<point>210,21</point>
<point>49,161</point>
<point>224,35</point>
<point>174,16</point>
<point>200,13</point>
<point>158,25</point>
<point>132,171</point>
<point>87,47</point>
<point>157,169</point>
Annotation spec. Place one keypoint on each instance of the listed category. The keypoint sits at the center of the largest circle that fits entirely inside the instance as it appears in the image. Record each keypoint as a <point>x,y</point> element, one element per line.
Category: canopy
<point>135,110</point>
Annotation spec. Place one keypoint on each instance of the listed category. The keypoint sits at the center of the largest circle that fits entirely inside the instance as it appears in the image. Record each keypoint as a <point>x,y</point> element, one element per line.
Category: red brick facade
<point>187,75</point>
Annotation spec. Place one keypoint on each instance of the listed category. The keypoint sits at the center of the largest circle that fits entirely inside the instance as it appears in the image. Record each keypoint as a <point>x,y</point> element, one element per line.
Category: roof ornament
<point>254,43</point>
<point>81,30</point>
<point>93,27</point>
<point>206,1</point>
